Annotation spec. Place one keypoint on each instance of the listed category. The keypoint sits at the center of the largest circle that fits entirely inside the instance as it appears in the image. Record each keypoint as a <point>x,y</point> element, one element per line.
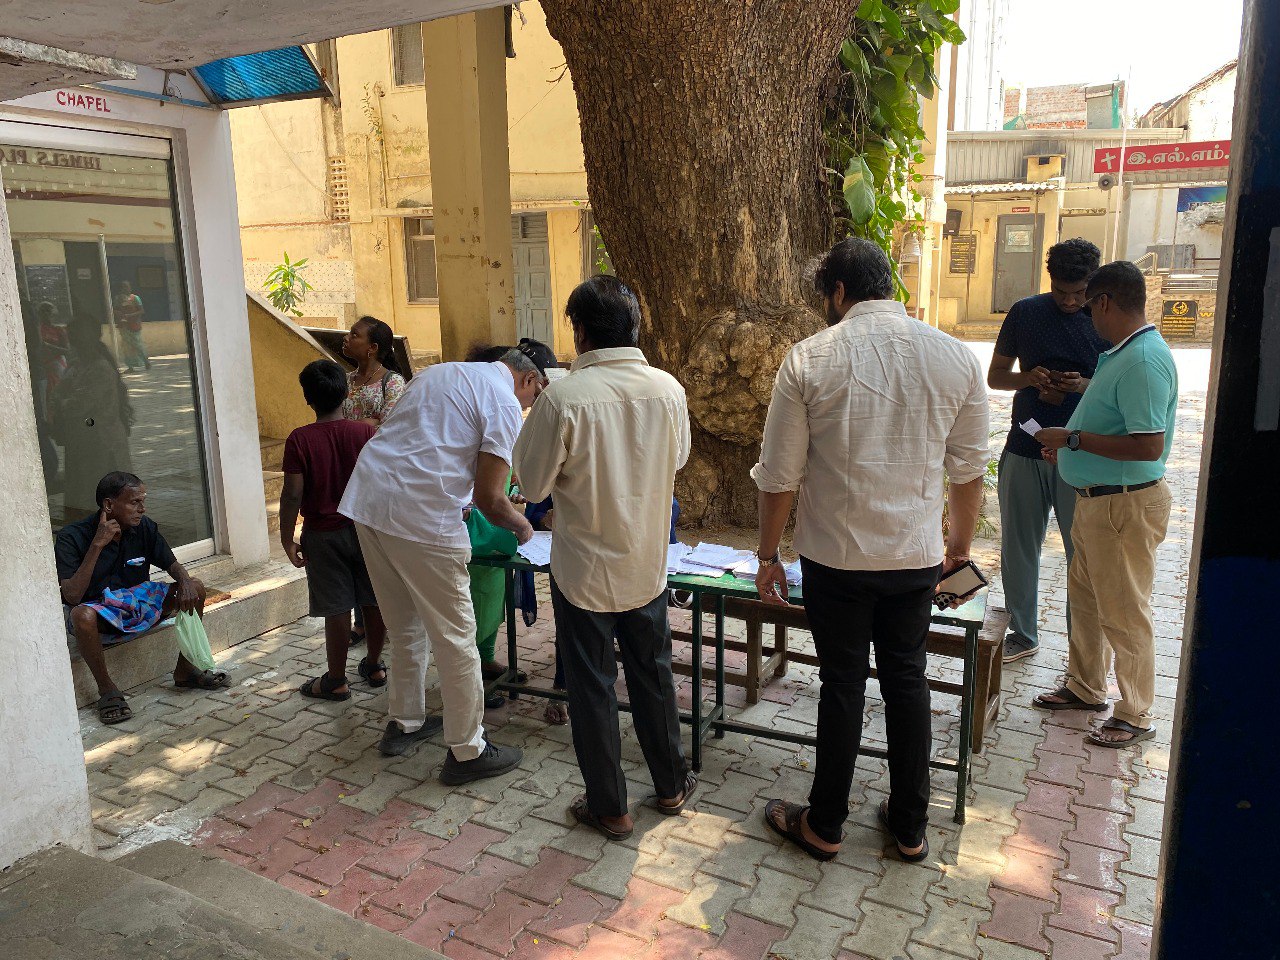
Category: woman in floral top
<point>376,384</point>
<point>374,387</point>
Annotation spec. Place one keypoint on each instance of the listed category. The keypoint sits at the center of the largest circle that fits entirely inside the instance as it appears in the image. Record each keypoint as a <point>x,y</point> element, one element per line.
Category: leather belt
<point>1108,491</point>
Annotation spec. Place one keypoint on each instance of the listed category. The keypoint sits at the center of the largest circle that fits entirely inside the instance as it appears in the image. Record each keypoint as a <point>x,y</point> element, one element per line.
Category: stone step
<point>272,450</point>
<point>309,925</point>
<point>262,598</point>
<point>62,903</point>
<point>272,484</point>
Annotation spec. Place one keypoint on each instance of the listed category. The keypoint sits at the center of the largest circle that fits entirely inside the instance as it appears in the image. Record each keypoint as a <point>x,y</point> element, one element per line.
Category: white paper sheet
<point>676,552</point>
<point>1032,427</point>
<point>748,568</point>
<point>538,550</point>
<point>716,556</point>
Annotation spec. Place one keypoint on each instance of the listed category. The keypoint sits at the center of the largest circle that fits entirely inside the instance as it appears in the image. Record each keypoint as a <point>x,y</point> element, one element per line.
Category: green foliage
<point>873,125</point>
<point>371,107</point>
<point>287,287</point>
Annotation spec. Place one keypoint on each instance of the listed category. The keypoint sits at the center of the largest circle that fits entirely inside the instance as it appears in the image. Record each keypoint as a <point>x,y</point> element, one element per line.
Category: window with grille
<point>420,259</point>
<point>406,55</point>
<point>339,194</point>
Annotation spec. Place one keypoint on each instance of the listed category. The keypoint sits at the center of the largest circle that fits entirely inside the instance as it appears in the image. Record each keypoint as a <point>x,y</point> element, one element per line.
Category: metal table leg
<point>697,680</point>
<point>719,711</point>
<point>509,581</point>
<point>966,720</point>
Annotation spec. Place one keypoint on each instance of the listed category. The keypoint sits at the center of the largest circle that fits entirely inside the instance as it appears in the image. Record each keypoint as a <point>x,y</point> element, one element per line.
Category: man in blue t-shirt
<point>1056,347</point>
<point>1113,451</point>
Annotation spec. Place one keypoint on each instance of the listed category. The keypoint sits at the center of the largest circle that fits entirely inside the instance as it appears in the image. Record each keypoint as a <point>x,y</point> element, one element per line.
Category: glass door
<point>109,332</point>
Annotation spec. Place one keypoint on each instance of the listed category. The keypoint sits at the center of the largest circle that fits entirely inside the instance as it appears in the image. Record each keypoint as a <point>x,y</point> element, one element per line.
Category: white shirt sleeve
<point>969,442</point>
<point>784,452</point>
<point>499,425</point>
<point>540,451</point>
<point>683,442</point>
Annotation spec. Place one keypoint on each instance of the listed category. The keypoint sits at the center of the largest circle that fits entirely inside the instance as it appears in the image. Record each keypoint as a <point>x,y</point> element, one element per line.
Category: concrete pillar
<point>44,797</point>
<point>466,85</point>
<point>1217,894</point>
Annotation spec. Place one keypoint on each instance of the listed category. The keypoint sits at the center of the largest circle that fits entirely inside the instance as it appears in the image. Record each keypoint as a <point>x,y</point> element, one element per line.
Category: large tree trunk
<point>701,126</point>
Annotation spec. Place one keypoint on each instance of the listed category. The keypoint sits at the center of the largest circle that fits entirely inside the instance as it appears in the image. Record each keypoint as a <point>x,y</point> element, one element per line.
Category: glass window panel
<point>103,295</point>
<point>420,258</point>
<point>406,54</point>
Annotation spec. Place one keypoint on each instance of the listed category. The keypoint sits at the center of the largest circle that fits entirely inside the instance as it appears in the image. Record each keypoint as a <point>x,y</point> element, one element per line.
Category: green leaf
<point>857,191</point>
<point>892,24</point>
<point>900,64</point>
<point>853,59</point>
<point>870,10</point>
<point>946,7</point>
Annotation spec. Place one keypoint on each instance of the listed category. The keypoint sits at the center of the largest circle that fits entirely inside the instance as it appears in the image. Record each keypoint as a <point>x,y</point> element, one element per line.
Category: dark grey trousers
<point>586,651</point>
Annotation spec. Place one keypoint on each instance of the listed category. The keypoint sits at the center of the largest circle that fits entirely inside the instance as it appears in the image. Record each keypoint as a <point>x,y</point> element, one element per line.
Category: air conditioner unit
<point>1106,181</point>
<point>1045,166</point>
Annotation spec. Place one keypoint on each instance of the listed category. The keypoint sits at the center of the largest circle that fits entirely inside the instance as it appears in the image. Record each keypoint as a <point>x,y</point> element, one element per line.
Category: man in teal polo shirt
<point>1113,451</point>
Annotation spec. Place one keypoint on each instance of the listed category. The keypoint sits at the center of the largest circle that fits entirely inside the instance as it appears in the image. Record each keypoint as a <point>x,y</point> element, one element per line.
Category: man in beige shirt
<point>606,442</point>
<point>866,418</point>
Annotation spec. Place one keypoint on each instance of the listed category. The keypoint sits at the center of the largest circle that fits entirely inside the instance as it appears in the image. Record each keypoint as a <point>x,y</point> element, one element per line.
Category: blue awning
<point>284,74</point>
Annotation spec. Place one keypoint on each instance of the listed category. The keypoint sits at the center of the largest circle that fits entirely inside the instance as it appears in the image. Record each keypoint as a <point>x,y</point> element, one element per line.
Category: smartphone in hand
<point>959,585</point>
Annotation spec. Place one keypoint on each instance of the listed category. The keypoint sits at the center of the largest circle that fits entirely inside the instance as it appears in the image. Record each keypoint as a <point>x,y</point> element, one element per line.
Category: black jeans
<point>849,611</point>
<point>585,641</point>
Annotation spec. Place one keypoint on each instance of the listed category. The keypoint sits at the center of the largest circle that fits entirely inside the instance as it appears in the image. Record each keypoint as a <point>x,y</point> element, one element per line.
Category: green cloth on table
<point>488,585</point>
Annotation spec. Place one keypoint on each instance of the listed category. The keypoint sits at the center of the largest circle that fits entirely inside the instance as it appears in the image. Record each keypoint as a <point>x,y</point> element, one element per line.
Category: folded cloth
<point>132,609</point>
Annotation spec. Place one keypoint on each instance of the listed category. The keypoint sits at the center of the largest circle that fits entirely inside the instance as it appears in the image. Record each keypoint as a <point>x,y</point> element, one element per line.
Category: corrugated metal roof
<point>1001,156</point>
<point>284,74</point>
<point>1045,186</point>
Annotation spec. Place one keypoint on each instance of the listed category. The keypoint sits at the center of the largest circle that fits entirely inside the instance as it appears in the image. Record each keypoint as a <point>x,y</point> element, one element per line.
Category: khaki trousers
<point>1109,585</point>
<point>424,598</point>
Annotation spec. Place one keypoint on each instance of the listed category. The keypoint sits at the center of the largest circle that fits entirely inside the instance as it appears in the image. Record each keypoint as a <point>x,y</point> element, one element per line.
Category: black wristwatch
<point>1073,440</point>
<point>776,558</point>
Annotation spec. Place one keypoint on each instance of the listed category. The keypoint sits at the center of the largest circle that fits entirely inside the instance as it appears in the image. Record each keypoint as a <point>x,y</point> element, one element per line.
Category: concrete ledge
<point>309,925</point>
<point>262,598</point>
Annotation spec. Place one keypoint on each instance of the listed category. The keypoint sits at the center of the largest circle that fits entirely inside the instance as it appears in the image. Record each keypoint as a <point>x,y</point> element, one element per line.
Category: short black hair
<point>482,353</point>
<point>606,312</point>
<point>1123,282</point>
<point>861,266</point>
<point>537,351</point>
<point>113,484</point>
<point>324,385</point>
<point>1073,260</point>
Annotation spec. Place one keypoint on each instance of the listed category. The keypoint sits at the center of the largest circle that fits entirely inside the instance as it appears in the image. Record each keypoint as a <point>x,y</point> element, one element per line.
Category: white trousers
<point>424,597</point>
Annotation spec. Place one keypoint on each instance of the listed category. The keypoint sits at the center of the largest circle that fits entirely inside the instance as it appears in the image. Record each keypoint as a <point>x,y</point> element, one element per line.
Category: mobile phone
<point>960,584</point>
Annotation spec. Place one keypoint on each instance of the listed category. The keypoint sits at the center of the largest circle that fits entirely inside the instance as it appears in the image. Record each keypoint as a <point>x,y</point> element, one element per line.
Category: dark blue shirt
<point>1038,334</point>
<point>121,564</point>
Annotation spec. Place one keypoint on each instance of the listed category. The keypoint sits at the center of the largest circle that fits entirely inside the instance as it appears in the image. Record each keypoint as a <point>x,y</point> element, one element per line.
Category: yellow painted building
<point>347,183</point>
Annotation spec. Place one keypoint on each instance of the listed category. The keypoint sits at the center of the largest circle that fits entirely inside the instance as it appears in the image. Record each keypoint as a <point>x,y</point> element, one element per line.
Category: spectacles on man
<point>1087,306</point>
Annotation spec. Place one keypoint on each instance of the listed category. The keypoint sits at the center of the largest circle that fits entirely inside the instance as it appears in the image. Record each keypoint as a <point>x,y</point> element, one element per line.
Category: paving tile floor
<point>1058,858</point>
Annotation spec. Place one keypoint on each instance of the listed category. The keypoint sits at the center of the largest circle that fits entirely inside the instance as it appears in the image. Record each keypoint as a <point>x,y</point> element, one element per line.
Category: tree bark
<point>701,128</point>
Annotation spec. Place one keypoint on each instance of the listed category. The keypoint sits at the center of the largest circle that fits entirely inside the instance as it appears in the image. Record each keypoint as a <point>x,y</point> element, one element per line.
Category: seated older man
<point>104,569</point>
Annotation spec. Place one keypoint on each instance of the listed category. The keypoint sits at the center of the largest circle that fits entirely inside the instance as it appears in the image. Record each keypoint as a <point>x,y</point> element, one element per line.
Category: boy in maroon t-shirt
<point>318,460</point>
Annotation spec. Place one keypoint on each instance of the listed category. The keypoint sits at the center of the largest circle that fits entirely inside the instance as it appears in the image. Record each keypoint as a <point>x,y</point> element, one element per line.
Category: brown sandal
<point>1066,701</point>
<point>582,813</point>
<point>793,831</point>
<point>690,785</point>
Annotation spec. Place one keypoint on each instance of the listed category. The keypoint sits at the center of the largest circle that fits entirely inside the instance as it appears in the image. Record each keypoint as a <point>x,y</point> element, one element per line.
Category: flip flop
<point>883,811</point>
<point>113,708</point>
<point>1071,701</point>
<point>792,812</point>
<point>204,680</point>
<point>327,687</point>
<point>552,714</point>
<point>1138,734</point>
<point>355,639</point>
<point>690,785</point>
<point>367,671</point>
<point>582,813</point>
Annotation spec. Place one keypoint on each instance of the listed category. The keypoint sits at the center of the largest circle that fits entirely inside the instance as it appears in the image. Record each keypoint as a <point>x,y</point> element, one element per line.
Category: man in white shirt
<point>447,444</point>
<point>606,442</point>
<point>866,418</point>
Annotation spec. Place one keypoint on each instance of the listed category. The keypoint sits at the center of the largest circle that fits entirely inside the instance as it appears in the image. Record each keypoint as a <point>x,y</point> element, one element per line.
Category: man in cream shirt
<point>606,442</point>
<point>866,418</point>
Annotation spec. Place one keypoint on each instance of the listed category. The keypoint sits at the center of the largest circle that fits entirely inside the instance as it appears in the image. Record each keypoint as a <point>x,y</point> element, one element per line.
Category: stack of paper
<point>538,550</point>
<point>748,568</point>
<point>676,552</point>
<point>706,560</point>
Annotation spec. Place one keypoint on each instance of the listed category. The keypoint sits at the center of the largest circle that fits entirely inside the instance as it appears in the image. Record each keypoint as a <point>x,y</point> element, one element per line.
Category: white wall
<point>1152,214</point>
<point>44,798</point>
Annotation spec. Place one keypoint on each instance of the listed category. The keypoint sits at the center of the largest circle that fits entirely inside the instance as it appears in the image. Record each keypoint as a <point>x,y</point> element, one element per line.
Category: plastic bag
<point>193,641</point>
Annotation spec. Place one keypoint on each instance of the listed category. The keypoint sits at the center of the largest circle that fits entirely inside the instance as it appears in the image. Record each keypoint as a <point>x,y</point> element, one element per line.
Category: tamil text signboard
<point>1163,156</point>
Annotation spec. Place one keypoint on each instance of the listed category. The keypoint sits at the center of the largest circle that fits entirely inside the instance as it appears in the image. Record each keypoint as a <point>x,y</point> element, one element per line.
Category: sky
<point>1169,44</point>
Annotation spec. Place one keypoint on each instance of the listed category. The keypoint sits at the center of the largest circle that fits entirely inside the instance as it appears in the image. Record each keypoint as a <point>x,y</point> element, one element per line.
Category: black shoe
<point>494,762</point>
<point>495,700</point>
<point>396,743</point>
